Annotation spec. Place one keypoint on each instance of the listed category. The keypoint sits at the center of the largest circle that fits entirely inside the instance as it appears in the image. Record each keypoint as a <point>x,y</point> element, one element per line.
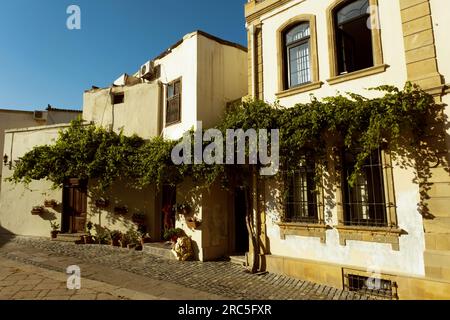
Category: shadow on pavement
<point>5,236</point>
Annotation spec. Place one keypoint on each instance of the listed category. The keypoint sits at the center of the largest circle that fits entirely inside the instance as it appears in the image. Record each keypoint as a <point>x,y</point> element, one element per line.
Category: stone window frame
<point>389,234</point>
<point>378,60</point>
<point>180,104</point>
<point>314,60</point>
<point>307,229</point>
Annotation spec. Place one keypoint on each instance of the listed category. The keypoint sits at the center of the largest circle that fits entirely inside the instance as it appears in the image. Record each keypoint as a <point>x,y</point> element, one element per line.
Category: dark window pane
<point>173,109</point>
<point>353,38</point>
<point>364,201</point>
<point>301,204</point>
<point>118,98</point>
<point>299,65</point>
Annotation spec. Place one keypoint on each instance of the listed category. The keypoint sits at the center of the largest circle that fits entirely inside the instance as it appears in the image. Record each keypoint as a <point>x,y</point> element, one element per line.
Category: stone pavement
<point>19,281</point>
<point>127,274</point>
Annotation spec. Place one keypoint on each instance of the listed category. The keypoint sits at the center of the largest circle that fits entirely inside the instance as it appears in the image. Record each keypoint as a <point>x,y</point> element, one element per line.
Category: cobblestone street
<point>35,268</point>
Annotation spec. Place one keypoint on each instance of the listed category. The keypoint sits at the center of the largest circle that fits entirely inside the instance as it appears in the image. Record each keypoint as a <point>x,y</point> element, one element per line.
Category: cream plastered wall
<point>181,62</point>
<point>16,201</point>
<point>57,116</point>
<point>221,78</point>
<point>139,114</point>
<point>392,45</point>
<point>409,259</point>
<point>120,195</point>
<point>211,208</point>
<point>14,119</point>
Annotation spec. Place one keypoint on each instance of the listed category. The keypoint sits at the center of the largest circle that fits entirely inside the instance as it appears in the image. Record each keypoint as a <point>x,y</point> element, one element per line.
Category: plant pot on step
<point>88,239</point>
<point>54,234</point>
<point>145,240</point>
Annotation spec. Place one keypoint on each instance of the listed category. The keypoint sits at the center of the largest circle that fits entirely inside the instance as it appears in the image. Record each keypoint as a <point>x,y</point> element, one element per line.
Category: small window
<point>365,203</point>
<point>353,37</point>
<point>118,98</point>
<point>375,287</point>
<point>301,202</point>
<point>173,108</point>
<point>297,55</point>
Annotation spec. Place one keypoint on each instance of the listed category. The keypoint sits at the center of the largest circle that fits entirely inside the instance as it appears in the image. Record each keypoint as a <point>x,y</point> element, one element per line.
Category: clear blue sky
<point>42,62</point>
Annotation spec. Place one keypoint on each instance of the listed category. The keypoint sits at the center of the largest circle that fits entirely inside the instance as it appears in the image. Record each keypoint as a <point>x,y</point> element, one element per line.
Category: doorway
<point>169,199</point>
<point>241,242</point>
<point>74,213</point>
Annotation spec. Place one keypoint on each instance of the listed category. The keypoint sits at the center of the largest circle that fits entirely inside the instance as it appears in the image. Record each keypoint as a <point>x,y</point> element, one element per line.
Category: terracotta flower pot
<point>54,234</point>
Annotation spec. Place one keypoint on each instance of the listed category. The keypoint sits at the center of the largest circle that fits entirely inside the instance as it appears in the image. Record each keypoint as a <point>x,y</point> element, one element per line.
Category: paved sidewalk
<point>158,278</point>
<point>19,281</point>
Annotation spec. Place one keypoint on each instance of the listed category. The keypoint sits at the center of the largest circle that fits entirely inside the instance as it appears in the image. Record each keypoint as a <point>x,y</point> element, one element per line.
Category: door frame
<point>68,214</point>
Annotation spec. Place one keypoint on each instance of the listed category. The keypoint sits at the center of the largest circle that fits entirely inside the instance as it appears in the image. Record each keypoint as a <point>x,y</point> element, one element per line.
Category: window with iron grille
<point>173,108</point>
<point>353,36</point>
<point>365,203</point>
<point>301,202</point>
<point>379,288</point>
<point>297,55</point>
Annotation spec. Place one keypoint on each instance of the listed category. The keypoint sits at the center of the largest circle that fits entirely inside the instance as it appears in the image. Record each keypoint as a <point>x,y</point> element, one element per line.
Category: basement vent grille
<point>374,287</point>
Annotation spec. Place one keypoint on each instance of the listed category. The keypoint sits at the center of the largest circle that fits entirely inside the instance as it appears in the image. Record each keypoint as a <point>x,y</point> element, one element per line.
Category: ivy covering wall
<point>397,118</point>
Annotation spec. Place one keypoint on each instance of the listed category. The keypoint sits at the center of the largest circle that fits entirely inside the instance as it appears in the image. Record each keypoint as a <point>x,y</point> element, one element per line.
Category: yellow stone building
<point>390,227</point>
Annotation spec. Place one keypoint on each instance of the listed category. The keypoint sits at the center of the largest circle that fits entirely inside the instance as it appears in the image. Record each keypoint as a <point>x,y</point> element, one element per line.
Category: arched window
<point>297,55</point>
<point>353,34</point>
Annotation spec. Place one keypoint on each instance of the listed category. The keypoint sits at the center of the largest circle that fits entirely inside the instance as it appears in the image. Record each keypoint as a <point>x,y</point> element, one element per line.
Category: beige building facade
<point>10,119</point>
<point>303,47</point>
<point>191,81</point>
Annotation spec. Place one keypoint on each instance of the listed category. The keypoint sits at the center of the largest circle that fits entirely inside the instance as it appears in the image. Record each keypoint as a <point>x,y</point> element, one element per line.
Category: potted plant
<point>50,203</point>
<point>130,239</point>
<point>55,230</point>
<point>143,236</point>
<point>88,239</point>
<point>115,237</point>
<point>173,234</point>
<point>37,210</point>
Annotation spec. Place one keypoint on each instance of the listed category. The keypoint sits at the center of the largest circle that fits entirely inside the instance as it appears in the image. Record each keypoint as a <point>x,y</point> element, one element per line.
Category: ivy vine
<point>396,118</point>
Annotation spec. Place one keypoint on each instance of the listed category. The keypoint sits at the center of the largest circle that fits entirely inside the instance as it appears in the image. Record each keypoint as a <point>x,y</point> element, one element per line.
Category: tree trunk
<point>251,212</point>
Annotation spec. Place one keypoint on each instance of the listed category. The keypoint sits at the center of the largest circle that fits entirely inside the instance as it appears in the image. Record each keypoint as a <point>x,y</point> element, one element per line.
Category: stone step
<point>240,260</point>
<point>163,249</point>
<point>69,237</point>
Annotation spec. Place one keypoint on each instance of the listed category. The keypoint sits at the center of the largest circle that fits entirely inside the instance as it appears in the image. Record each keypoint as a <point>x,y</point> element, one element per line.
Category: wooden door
<point>74,206</point>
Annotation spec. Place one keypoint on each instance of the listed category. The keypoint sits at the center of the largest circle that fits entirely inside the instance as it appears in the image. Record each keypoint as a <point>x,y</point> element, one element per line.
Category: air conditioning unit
<point>147,70</point>
<point>40,115</point>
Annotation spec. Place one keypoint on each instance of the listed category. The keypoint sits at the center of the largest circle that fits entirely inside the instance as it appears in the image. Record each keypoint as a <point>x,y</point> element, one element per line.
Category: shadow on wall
<point>5,236</point>
<point>430,158</point>
<point>108,209</point>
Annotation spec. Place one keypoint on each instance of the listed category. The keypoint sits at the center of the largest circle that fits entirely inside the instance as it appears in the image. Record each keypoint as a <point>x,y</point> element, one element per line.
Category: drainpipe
<point>254,177</point>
